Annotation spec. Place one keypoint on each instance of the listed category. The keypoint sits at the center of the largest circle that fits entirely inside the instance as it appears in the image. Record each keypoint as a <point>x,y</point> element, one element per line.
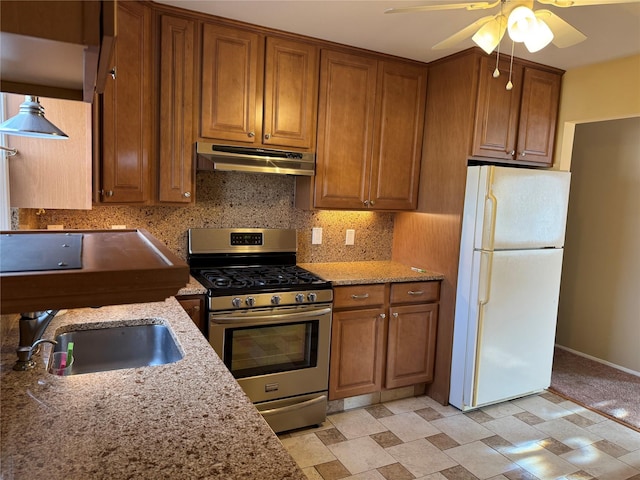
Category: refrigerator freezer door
<point>518,304</point>
<point>520,208</point>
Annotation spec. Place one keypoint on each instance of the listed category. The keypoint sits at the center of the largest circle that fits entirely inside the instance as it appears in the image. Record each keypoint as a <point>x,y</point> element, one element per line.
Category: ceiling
<point>613,31</point>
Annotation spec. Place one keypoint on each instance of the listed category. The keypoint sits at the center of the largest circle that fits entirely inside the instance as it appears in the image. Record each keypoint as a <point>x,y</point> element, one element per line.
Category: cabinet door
<point>290,94</point>
<point>411,344</point>
<point>497,110</point>
<point>345,130</point>
<point>231,87</point>
<point>194,306</point>
<point>397,145</point>
<point>357,353</point>
<point>127,110</point>
<point>176,140</point>
<point>538,114</point>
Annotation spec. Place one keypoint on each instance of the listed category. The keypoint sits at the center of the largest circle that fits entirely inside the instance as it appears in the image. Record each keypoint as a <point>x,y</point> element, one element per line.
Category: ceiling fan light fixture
<point>539,37</point>
<point>489,35</point>
<point>520,23</point>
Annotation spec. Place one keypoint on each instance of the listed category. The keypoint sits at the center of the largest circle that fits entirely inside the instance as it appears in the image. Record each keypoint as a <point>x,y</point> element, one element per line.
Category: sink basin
<point>113,348</point>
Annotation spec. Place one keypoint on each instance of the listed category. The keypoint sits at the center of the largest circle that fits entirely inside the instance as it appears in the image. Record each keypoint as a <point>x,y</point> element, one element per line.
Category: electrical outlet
<point>351,237</point>
<point>316,236</point>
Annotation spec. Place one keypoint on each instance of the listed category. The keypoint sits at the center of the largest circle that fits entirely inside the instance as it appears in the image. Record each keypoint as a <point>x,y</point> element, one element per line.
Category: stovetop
<point>257,279</point>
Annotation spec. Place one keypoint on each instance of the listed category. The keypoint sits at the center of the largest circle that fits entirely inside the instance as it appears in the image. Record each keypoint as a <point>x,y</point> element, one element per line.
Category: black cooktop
<point>256,279</point>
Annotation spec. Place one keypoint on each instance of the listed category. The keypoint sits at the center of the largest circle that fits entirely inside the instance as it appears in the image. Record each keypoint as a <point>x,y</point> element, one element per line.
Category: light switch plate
<point>351,237</point>
<point>316,236</point>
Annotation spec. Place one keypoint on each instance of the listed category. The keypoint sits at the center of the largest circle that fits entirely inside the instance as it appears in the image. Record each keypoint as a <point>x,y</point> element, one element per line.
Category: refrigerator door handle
<point>490,212</point>
<point>484,290</point>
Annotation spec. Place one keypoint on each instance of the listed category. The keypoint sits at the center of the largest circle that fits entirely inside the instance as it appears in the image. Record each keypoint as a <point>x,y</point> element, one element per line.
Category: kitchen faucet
<point>32,326</point>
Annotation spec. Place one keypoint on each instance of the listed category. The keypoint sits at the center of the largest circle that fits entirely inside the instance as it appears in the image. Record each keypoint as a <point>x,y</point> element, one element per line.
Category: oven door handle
<point>269,317</point>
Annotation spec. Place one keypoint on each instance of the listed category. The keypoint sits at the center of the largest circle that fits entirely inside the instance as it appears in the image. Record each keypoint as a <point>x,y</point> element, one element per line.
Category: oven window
<point>260,350</point>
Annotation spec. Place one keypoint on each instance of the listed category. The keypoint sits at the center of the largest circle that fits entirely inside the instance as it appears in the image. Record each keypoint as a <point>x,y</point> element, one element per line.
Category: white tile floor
<point>537,437</point>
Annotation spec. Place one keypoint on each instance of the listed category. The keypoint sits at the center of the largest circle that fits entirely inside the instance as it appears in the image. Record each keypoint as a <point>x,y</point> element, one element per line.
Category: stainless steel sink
<point>113,348</point>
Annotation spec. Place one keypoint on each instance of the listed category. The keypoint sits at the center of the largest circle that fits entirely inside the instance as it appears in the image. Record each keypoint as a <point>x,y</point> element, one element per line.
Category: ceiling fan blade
<point>564,35</point>
<point>462,34</point>
<point>582,3</point>
<point>444,6</point>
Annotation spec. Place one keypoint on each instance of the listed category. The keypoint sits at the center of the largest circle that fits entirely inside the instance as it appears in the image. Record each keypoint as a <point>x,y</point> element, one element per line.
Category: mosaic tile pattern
<point>538,437</point>
<point>234,200</point>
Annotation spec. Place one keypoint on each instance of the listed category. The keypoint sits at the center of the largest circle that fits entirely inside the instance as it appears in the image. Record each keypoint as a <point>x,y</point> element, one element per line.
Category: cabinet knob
<point>395,314</point>
<point>251,134</point>
<point>372,202</point>
<point>267,136</point>
<point>522,154</point>
<point>186,194</point>
<point>366,203</point>
<point>383,316</point>
<point>512,153</point>
<point>113,73</point>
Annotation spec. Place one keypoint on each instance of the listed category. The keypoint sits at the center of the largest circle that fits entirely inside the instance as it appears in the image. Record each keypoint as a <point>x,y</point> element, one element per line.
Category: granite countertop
<point>354,273</point>
<point>192,288</point>
<point>184,420</point>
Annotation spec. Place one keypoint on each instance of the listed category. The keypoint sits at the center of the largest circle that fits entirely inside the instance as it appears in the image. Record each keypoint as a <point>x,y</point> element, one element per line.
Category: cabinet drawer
<point>415,292</point>
<point>358,296</point>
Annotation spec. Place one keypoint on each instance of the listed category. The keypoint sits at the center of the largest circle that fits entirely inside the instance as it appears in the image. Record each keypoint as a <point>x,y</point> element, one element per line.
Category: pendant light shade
<point>521,23</point>
<point>489,36</point>
<point>540,36</point>
<point>30,122</point>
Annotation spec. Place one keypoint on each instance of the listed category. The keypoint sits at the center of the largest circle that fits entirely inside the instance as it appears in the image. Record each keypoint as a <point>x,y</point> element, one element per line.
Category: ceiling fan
<point>535,29</point>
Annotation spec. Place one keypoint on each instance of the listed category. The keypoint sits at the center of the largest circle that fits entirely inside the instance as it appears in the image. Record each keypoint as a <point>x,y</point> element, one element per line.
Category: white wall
<point>599,312</point>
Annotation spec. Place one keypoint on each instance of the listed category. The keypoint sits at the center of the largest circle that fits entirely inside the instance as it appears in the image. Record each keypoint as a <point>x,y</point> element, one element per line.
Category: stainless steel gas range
<point>268,319</point>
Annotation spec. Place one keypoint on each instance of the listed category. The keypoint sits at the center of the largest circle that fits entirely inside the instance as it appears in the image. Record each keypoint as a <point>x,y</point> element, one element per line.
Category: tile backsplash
<point>235,200</point>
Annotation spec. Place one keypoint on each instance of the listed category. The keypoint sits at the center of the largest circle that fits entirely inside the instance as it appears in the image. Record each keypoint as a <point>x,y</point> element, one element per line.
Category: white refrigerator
<point>511,249</point>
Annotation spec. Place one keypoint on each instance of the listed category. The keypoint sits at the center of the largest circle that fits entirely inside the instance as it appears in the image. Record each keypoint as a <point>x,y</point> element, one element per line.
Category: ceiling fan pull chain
<point>496,72</point>
<point>509,84</point>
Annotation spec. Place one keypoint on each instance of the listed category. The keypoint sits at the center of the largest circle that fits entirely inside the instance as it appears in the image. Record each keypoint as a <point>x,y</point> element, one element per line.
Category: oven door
<point>275,353</point>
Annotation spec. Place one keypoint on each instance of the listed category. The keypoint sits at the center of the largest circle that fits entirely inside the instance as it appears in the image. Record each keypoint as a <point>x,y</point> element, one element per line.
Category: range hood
<point>252,159</point>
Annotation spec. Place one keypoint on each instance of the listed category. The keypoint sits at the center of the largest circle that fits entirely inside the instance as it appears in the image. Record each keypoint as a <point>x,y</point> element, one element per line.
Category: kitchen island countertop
<point>357,273</point>
<point>183,420</point>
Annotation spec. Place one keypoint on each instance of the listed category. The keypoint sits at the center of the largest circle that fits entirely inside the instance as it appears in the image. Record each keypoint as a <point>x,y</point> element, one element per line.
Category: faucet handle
<point>25,362</point>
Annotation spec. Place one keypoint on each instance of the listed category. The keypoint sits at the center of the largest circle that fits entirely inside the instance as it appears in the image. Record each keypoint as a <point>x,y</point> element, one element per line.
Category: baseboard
<point>599,360</point>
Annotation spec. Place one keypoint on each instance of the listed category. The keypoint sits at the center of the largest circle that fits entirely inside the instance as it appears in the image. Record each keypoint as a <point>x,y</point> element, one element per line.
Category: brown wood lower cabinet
<point>194,306</point>
<point>383,336</point>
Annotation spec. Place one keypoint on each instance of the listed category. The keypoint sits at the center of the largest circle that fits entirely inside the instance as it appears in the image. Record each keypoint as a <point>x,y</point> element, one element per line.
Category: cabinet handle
<point>113,73</point>
<point>512,152</point>
<point>251,134</point>
<point>522,154</point>
<point>360,297</point>
<point>383,316</point>
<point>106,194</point>
<point>395,314</point>
<point>416,292</point>
<point>366,203</point>
<point>196,309</point>
<point>372,202</point>
<point>267,136</point>
<point>186,194</point>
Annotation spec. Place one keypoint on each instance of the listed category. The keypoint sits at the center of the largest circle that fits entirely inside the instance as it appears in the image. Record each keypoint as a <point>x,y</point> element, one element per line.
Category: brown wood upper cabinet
<point>145,118</point>
<point>258,90</point>
<point>519,124</point>
<point>126,118</point>
<point>370,127</point>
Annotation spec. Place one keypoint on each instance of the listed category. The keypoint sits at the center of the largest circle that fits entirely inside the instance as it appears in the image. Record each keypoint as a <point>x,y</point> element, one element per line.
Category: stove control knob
<point>236,302</point>
<point>250,301</point>
<point>299,298</point>
<point>312,297</point>
<point>275,300</point>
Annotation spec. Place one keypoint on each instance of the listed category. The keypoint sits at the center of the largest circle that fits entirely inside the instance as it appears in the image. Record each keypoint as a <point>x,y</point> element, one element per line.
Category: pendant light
<point>30,122</point>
